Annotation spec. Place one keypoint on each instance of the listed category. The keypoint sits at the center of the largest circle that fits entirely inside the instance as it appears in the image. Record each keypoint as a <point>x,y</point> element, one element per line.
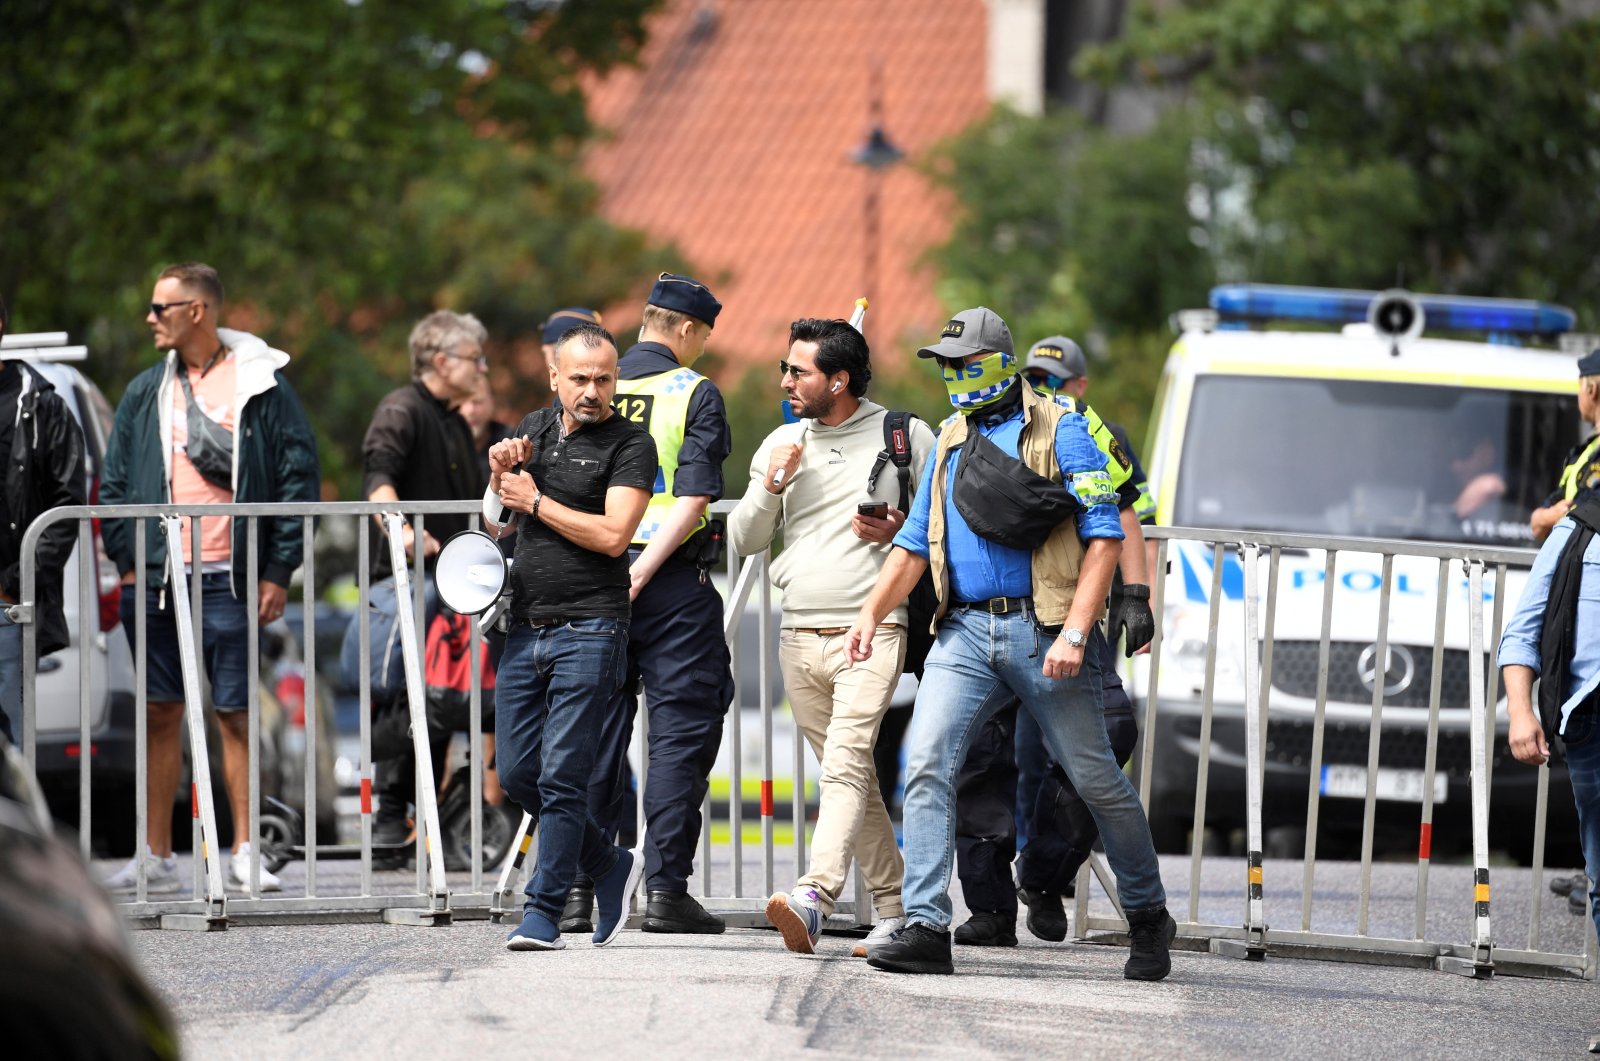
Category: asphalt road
<point>300,992</point>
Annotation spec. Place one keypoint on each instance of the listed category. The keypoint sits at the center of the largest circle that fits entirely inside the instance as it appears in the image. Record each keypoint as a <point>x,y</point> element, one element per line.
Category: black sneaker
<point>1567,885</point>
<point>918,948</point>
<point>1047,918</point>
<point>678,912</point>
<point>1577,900</point>
<point>984,929</point>
<point>1150,934</point>
<point>578,914</point>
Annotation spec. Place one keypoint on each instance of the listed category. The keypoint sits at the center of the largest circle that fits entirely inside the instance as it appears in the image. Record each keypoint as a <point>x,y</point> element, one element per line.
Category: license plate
<point>1406,786</point>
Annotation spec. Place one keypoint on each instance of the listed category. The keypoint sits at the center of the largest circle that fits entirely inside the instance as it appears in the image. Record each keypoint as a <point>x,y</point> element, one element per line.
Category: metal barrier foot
<point>417,917</point>
<point>1239,948</point>
<point>194,922</point>
<point>1473,968</point>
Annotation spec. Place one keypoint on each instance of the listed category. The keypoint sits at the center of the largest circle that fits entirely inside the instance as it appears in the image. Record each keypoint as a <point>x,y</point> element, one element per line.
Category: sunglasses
<point>1047,379</point>
<point>795,371</point>
<point>158,308</point>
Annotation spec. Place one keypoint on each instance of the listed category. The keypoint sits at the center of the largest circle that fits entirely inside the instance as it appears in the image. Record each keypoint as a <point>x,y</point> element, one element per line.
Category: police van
<point>1352,414</point>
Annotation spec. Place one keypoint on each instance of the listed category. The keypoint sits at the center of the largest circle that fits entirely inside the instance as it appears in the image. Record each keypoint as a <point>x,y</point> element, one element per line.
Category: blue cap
<point>1589,364</point>
<point>563,321</point>
<point>685,295</point>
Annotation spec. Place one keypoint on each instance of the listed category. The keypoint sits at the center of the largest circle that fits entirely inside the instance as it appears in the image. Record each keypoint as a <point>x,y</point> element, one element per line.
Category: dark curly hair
<point>840,348</point>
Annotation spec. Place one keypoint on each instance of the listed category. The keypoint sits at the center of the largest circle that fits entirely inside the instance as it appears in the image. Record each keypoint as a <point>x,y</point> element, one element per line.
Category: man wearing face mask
<point>1017,520</point>
<point>1009,785</point>
<point>809,483</point>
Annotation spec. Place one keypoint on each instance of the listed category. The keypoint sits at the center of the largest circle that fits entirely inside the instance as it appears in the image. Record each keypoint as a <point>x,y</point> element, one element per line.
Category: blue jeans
<point>978,663</point>
<point>550,699</point>
<point>1583,767</point>
<point>10,679</point>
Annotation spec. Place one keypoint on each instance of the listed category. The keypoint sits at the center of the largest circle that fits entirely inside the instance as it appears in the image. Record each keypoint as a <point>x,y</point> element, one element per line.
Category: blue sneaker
<point>797,916</point>
<point>612,894</point>
<point>537,932</point>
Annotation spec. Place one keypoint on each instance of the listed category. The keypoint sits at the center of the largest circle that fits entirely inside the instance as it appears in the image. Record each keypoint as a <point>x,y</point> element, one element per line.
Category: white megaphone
<point>471,572</point>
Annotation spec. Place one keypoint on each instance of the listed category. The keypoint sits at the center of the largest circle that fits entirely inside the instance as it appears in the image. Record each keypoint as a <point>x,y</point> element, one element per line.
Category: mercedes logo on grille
<point>1398,674</point>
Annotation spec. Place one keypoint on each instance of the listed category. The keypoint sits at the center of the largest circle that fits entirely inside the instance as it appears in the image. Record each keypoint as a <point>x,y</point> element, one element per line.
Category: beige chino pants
<point>839,708</point>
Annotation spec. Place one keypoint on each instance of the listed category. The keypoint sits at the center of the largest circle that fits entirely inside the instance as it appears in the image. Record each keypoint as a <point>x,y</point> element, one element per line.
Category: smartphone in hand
<point>875,509</point>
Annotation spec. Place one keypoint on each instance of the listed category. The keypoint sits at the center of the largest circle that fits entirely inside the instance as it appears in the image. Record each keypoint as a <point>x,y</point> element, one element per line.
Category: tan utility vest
<point>1056,562</point>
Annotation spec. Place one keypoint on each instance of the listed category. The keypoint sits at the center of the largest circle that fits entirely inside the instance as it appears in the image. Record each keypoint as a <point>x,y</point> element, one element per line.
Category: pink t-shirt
<point>213,393</point>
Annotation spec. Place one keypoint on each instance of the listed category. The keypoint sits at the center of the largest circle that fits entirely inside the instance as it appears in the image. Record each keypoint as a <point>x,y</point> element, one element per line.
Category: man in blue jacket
<point>214,421</point>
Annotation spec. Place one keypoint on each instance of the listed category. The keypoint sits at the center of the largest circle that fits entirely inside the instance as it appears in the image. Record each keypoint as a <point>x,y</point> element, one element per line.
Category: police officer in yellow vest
<point>1583,463</point>
<point>675,641</point>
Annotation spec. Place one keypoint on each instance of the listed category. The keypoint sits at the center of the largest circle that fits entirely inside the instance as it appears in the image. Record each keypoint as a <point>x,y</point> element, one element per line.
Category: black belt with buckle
<point>537,623</point>
<point>998,605</point>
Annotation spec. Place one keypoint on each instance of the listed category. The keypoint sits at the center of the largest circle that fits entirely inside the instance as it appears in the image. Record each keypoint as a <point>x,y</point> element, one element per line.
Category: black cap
<point>685,295</point>
<point>1589,364</point>
<point>563,321</point>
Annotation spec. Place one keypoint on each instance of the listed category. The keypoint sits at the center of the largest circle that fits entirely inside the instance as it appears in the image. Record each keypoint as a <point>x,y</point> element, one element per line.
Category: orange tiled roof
<point>733,140</point>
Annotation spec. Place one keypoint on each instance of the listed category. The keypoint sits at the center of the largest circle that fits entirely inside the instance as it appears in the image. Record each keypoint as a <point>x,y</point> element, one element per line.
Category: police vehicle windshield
<point>1370,459</point>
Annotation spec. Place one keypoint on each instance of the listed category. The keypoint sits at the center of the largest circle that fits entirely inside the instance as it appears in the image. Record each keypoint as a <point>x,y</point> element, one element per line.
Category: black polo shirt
<point>423,448</point>
<point>553,578</point>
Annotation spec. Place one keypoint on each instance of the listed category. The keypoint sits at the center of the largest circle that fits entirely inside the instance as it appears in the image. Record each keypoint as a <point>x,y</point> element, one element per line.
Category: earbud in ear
<point>836,387</point>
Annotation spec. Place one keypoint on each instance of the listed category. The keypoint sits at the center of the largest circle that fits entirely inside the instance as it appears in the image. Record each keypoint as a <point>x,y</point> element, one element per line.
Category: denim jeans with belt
<point>1582,740</point>
<point>550,698</point>
<point>979,662</point>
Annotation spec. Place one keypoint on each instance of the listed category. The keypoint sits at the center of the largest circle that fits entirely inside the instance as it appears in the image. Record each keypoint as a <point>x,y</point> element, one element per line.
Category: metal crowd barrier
<point>428,900</point>
<point>735,881</point>
<point>1473,952</point>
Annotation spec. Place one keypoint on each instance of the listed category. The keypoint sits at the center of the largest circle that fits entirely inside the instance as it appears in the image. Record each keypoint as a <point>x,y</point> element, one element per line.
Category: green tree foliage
<point>1445,147</point>
<point>347,165</point>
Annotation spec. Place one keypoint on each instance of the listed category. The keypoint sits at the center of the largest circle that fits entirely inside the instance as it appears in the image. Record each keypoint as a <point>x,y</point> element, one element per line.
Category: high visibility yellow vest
<point>660,405</point>
<point>1573,479</point>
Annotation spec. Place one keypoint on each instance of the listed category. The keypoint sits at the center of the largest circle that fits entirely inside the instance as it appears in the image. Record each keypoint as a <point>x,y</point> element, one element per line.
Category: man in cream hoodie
<point>809,480</point>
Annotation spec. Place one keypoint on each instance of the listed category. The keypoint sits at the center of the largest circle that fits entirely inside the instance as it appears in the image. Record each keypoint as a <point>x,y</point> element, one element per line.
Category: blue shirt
<point>979,568</point>
<point>1520,642</point>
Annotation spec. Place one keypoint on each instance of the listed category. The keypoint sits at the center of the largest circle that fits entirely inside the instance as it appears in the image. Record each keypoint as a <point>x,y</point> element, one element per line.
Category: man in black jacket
<point>41,450</point>
<point>419,448</point>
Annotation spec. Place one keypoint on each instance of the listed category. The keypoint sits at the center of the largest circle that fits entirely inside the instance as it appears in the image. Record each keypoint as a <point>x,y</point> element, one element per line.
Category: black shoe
<point>678,912</point>
<point>918,948</point>
<point>390,840</point>
<point>1150,934</point>
<point>1047,918</point>
<point>1567,885</point>
<point>1576,901</point>
<point>578,914</point>
<point>984,929</point>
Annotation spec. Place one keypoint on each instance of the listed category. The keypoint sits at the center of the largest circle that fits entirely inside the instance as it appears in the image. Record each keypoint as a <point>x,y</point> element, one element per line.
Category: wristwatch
<point>1074,638</point>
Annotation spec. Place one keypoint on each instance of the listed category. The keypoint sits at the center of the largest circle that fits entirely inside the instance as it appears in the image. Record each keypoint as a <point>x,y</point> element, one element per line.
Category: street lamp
<point>876,154</point>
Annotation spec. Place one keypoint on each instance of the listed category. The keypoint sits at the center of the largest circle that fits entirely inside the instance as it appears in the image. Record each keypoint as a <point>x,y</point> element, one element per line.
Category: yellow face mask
<point>981,382</point>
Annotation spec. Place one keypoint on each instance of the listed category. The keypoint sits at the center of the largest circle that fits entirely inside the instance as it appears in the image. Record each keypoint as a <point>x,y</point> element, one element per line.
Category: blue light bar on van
<point>1450,313</point>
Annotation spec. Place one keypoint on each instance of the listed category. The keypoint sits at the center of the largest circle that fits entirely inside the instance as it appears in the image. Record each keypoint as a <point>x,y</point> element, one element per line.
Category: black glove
<point>1133,616</point>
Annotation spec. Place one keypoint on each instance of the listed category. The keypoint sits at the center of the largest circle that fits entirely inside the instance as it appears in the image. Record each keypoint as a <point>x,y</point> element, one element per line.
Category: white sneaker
<point>161,875</point>
<point>239,872</point>
<point>797,915</point>
<point>883,932</point>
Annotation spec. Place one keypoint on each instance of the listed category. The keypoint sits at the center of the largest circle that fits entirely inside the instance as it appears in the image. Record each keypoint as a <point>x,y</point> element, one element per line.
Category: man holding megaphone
<point>574,481</point>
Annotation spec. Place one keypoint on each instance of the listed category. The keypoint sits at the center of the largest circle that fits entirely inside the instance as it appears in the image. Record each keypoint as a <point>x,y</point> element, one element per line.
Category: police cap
<point>1058,356</point>
<point>1589,364</point>
<point>563,321</point>
<point>685,295</point>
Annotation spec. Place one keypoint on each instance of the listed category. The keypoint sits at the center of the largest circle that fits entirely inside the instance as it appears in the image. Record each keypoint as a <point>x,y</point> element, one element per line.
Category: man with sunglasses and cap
<point>676,644</point>
<point>1009,785</point>
<point>1017,520</point>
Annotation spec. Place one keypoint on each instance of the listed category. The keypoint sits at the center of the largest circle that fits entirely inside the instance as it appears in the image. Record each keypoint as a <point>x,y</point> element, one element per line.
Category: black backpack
<point>923,600</point>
